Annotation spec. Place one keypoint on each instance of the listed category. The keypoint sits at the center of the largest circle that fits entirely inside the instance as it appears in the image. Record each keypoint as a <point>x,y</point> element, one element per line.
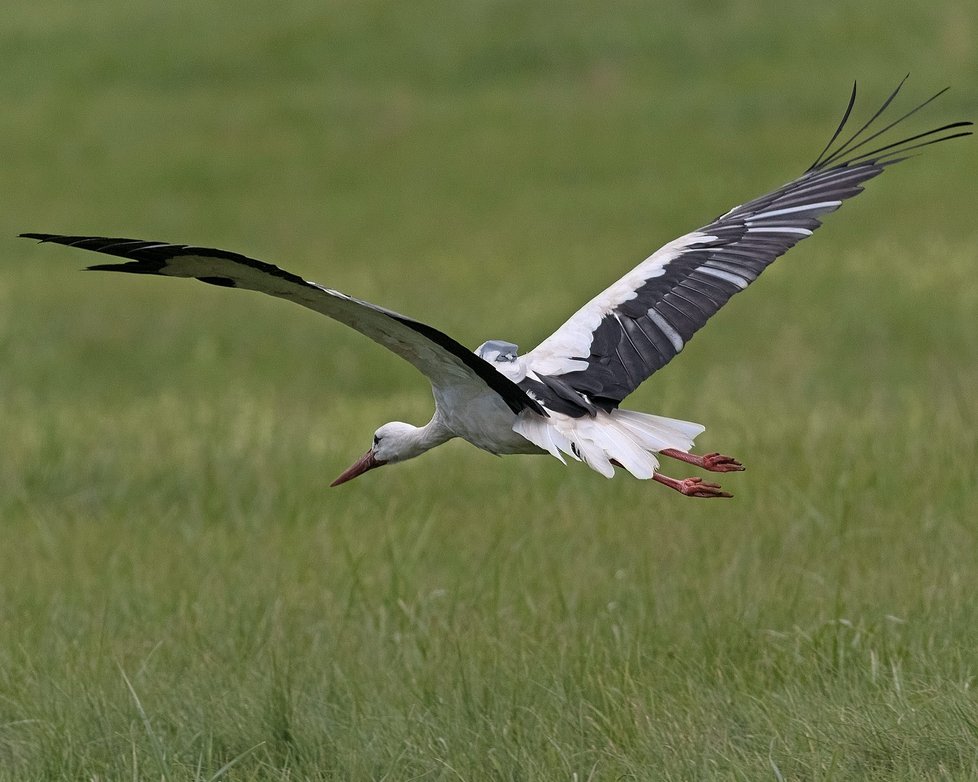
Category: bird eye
<point>376,439</point>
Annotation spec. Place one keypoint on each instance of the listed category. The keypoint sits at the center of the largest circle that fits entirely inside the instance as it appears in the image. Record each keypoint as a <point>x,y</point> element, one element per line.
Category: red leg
<point>714,462</point>
<point>691,487</point>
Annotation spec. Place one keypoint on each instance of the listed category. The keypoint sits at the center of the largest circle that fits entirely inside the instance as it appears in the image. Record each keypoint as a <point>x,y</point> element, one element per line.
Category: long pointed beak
<point>366,462</point>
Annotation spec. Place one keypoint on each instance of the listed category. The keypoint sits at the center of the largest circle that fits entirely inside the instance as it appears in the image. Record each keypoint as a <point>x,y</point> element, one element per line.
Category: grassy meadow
<point>183,598</point>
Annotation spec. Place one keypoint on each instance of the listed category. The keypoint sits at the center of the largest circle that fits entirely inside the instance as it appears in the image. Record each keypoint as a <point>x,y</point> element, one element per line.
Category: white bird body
<point>480,418</point>
<point>563,397</point>
<point>619,435</point>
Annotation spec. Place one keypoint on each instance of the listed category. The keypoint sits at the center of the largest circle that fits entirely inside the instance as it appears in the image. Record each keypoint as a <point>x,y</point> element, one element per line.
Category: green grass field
<point>183,598</point>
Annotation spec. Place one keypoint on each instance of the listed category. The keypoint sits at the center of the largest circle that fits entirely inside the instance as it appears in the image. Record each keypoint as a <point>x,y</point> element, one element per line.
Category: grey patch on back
<point>497,350</point>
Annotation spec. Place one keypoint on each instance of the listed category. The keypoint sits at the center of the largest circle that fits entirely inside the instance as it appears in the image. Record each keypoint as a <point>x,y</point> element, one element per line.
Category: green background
<point>181,596</point>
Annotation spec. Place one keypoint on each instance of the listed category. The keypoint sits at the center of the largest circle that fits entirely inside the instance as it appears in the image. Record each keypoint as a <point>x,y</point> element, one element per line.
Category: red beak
<point>366,462</point>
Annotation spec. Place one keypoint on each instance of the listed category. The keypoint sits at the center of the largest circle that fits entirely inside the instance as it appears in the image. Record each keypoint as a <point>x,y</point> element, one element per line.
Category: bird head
<point>393,442</point>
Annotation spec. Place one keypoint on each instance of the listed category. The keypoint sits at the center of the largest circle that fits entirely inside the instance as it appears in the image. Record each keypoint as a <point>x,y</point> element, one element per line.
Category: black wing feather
<point>735,248</point>
<point>159,257</point>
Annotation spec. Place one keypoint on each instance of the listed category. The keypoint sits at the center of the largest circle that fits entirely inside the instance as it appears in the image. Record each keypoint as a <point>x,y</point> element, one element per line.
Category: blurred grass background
<point>182,598</point>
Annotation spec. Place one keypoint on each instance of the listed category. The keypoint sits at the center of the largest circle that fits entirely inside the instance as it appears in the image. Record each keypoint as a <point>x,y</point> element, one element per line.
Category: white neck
<point>404,441</point>
<point>431,434</point>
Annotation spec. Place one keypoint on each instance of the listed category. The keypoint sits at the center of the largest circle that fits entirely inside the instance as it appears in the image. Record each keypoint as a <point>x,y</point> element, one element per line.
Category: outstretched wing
<point>619,338</point>
<point>440,358</point>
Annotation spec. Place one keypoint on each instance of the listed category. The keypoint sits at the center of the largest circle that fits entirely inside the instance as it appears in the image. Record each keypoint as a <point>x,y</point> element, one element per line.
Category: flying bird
<point>564,396</point>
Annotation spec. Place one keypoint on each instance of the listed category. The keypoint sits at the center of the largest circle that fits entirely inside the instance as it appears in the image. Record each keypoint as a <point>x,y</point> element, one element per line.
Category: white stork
<point>563,397</point>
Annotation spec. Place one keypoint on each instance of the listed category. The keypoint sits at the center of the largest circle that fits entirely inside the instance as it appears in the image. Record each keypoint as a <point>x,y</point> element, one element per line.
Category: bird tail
<point>658,432</point>
<point>621,437</point>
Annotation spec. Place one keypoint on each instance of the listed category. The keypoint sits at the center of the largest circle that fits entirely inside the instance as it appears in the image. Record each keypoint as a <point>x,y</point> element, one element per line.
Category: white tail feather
<point>538,431</point>
<point>658,432</point>
<point>631,439</point>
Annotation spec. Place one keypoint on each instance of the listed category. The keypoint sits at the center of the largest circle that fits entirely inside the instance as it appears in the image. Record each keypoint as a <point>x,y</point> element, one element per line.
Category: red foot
<point>692,487</point>
<point>717,462</point>
<point>714,462</point>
